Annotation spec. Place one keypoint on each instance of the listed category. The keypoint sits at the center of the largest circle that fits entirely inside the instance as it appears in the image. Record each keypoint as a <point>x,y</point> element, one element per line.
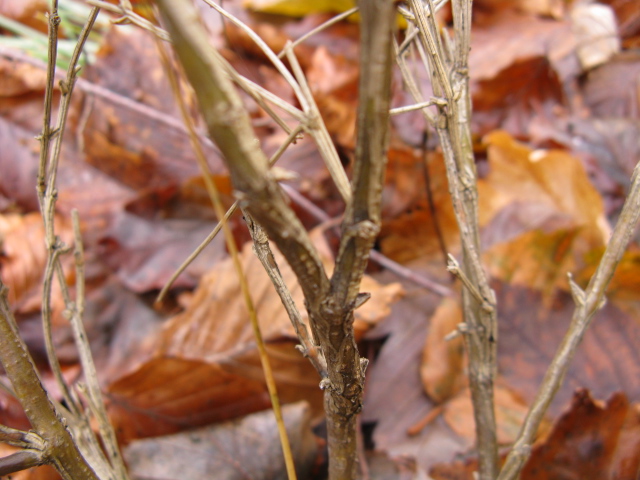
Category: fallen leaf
<point>628,19</point>
<point>24,258</point>
<point>17,183</point>
<point>27,12</point>
<point>530,331</point>
<point>596,34</point>
<point>414,232</point>
<point>20,78</point>
<point>611,90</point>
<point>510,410</point>
<point>591,440</point>
<point>394,398</point>
<point>537,206</point>
<point>442,370</point>
<point>145,253</point>
<point>525,91</point>
<point>297,9</point>
<point>333,80</point>
<point>131,146</point>
<point>245,448</point>
<point>205,365</point>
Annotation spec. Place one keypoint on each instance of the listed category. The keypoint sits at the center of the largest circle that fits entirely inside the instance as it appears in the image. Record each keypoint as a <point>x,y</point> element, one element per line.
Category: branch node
<point>325,384</point>
<point>361,299</point>
<point>364,363</point>
<point>579,297</point>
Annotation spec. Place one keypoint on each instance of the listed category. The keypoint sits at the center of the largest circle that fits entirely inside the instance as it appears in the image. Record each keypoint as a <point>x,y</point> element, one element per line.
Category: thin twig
<point>307,346</point>
<point>318,29</point>
<point>60,448</point>
<point>303,95</point>
<point>447,66</point>
<point>47,195</point>
<point>330,303</point>
<point>592,300</point>
<point>94,393</point>
<point>291,138</point>
<point>235,256</point>
<point>21,439</point>
<point>21,460</point>
<point>127,14</point>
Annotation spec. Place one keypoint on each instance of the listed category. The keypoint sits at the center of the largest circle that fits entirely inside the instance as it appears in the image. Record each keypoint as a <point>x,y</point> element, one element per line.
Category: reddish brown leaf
<point>17,181</point>
<point>28,12</point>
<point>530,332</point>
<point>538,206</point>
<point>145,253</point>
<point>334,81</point>
<point>591,440</point>
<point>131,146</point>
<point>413,232</point>
<point>510,411</point>
<point>628,16</point>
<point>510,100</point>
<point>20,78</point>
<point>205,366</point>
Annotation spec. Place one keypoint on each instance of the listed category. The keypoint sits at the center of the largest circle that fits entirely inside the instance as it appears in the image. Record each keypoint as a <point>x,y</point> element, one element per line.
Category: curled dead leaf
<point>443,359</point>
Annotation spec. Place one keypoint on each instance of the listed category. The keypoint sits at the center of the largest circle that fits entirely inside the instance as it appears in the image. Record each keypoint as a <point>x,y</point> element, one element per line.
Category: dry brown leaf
<point>19,162</point>
<point>509,37</point>
<point>530,331</point>
<point>246,448</point>
<point>20,78</point>
<point>205,365</point>
<point>28,12</point>
<point>442,369</point>
<point>525,91</point>
<point>612,89</point>
<point>413,233</point>
<point>130,146</point>
<point>24,258</point>
<point>628,19</point>
<point>591,440</point>
<point>145,253</point>
<point>596,32</point>
<point>551,8</point>
<point>510,411</point>
<point>552,178</point>
<point>334,81</point>
<point>537,206</point>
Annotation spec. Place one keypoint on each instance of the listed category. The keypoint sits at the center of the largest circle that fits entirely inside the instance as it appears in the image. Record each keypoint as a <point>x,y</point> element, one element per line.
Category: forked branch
<point>330,303</point>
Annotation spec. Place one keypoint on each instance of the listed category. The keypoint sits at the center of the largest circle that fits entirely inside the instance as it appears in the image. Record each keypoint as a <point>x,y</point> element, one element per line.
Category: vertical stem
<point>450,79</point>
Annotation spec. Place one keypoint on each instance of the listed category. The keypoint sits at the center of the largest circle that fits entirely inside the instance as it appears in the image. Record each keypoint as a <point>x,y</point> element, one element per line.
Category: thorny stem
<point>587,304</point>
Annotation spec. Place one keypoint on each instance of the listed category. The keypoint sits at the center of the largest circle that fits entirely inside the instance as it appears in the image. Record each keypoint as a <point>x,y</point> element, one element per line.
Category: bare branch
<point>447,66</point>
<point>589,302</point>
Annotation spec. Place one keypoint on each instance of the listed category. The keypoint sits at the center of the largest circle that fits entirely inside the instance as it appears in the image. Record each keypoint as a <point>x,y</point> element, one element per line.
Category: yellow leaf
<point>296,8</point>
